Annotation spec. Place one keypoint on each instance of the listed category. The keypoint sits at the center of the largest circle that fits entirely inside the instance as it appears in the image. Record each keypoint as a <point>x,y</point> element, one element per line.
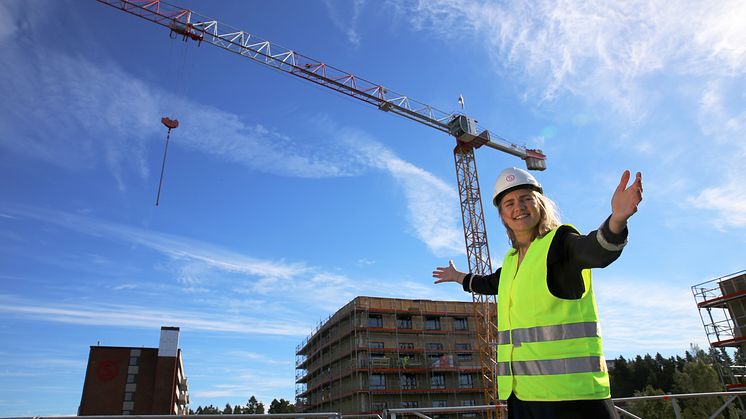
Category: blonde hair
<point>549,219</point>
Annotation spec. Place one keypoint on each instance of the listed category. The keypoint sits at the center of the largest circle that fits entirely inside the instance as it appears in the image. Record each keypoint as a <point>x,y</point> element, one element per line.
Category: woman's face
<point>520,211</point>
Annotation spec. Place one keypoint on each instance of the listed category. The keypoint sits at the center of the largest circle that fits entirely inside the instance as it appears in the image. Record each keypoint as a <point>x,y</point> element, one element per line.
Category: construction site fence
<point>732,396</point>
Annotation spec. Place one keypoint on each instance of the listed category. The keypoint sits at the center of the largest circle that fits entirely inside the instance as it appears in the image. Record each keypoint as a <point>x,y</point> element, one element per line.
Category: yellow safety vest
<point>549,348</point>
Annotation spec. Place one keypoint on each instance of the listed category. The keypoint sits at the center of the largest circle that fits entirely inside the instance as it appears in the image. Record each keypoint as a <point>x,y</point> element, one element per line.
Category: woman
<point>549,352</point>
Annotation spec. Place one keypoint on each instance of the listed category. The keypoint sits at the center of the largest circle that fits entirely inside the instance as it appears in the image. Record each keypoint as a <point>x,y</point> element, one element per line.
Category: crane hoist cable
<point>166,121</point>
<point>170,124</point>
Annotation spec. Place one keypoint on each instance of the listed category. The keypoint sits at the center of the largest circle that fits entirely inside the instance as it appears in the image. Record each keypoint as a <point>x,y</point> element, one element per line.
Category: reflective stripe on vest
<point>552,366</point>
<point>548,333</point>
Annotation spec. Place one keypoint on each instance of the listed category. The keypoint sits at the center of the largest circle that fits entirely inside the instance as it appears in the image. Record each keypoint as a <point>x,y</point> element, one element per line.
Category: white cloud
<point>725,194</point>
<point>663,317</point>
<point>253,356</point>
<point>727,202</point>
<point>602,51</point>
<point>432,204</point>
<point>101,101</point>
<point>143,317</point>
<point>348,25</point>
<point>202,268</point>
<point>109,113</point>
<point>176,247</point>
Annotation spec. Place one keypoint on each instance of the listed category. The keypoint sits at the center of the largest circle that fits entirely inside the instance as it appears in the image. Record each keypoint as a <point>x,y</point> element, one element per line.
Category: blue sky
<point>282,201</point>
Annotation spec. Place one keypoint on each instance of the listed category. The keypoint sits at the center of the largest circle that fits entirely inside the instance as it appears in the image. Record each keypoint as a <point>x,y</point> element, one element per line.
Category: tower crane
<point>192,26</point>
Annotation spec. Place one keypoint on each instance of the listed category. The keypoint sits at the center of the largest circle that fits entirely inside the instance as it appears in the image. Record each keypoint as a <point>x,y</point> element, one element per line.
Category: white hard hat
<point>511,179</point>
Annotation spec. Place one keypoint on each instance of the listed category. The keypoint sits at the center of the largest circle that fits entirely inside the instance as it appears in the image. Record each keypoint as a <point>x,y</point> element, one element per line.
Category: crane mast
<point>192,26</point>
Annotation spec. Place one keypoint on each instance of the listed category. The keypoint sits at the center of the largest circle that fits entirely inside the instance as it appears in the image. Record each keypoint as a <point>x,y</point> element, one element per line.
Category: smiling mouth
<point>520,217</point>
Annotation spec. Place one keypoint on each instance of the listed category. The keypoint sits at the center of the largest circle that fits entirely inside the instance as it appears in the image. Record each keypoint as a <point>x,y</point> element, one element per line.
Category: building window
<point>404,322</point>
<point>375,321</point>
<point>377,382</point>
<point>460,323</point>
<point>432,346</point>
<point>465,356</point>
<point>464,381</point>
<point>406,345</point>
<point>435,359</point>
<point>468,403</point>
<point>375,345</point>
<point>440,403</point>
<point>377,406</point>
<point>128,396</point>
<point>408,382</point>
<point>438,381</point>
<point>131,378</point>
<point>409,404</point>
<point>432,323</point>
<point>134,360</point>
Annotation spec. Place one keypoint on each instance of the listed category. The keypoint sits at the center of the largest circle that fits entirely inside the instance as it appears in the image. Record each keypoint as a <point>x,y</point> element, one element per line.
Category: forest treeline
<point>696,372</point>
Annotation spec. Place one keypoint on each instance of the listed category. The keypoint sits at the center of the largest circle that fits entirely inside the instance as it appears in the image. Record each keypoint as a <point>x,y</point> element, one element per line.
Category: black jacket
<point>569,253</point>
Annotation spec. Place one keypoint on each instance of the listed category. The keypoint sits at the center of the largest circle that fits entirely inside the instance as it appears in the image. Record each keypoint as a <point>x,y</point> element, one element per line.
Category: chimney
<point>169,344</point>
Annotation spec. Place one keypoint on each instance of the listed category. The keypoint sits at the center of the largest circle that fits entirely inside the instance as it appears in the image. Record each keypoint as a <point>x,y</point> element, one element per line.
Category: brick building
<point>136,381</point>
<point>378,353</point>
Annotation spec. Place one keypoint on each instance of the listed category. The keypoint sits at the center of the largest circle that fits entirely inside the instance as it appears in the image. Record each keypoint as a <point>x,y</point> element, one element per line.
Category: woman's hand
<point>624,202</point>
<point>448,274</point>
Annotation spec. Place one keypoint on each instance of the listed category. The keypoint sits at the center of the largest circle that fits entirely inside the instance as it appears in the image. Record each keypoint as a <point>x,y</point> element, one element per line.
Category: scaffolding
<point>380,353</point>
<point>722,308</point>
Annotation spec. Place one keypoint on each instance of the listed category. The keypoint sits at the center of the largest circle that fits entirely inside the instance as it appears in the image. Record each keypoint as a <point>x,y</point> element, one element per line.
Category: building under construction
<point>722,307</point>
<point>379,353</point>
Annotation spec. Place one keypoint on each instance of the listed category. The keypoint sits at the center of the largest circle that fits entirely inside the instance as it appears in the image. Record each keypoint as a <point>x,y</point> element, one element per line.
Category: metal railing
<point>329,415</point>
<point>423,411</point>
<point>732,396</point>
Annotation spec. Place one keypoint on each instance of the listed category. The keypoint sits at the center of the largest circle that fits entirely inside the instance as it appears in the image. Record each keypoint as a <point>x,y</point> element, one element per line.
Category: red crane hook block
<point>170,123</point>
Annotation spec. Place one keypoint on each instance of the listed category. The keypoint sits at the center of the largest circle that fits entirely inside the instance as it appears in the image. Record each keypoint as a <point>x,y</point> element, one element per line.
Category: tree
<point>652,409</point>
<point>207,410</point>
<point>621,378</point>
<point>698,376</point>
<point>281,406</point>
<point>228,409</point>
<point>254,406</point>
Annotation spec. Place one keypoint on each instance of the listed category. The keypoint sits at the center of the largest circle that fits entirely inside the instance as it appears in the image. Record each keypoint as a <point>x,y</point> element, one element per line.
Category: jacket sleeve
<point>572,252</point>
<point>597,249</point>
<point>482,284</point>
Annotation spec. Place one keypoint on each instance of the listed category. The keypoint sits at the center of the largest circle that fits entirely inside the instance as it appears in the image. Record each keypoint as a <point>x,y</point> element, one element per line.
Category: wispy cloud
<point>143,317</point>
<point>725,191</point>
<point>346,24</point>
<point>102,101</point>
<point>629,65</point>
<point>603,51</point>
<point>432,204</point>
<point>663,317</point>
<point>201,267</point>
<point>253,356</point>
<point>176,247</point>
